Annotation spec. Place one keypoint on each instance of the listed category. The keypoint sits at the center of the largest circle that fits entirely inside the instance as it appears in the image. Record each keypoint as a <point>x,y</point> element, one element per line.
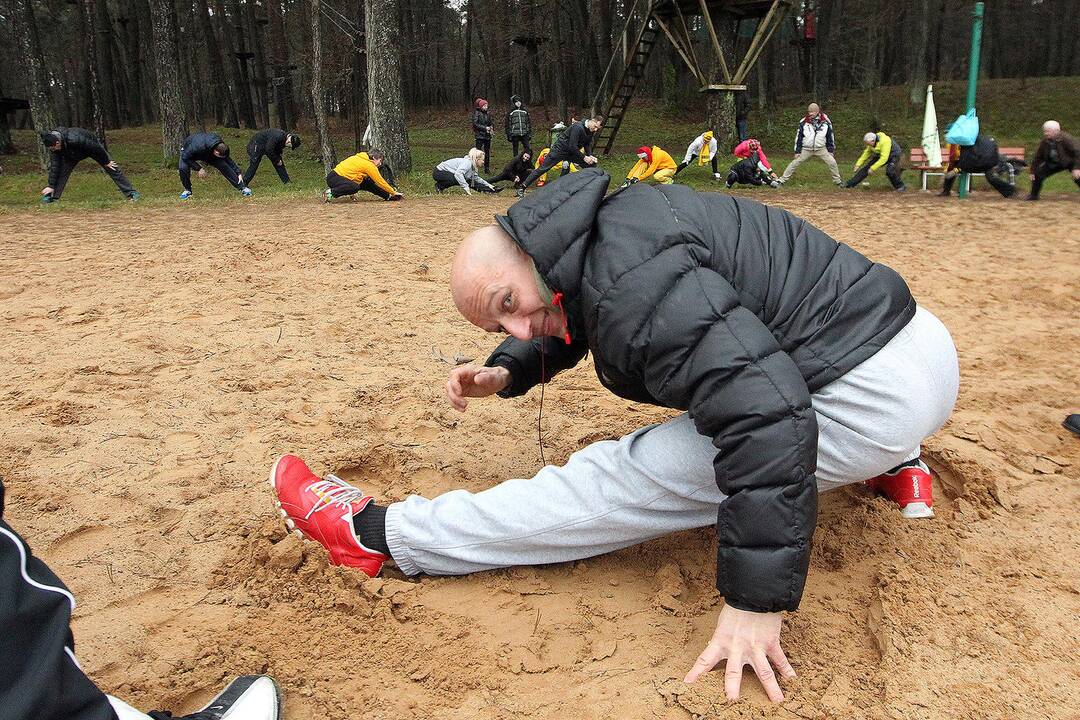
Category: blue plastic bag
<point>964,129</point>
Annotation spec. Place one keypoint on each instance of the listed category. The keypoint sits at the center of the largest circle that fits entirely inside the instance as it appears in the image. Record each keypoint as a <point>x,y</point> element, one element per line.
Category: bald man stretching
<point>804,364</point>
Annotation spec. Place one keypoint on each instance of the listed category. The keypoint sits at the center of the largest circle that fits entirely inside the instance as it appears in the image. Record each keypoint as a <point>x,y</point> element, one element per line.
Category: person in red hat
<point>653,162</point>
<point>482,131</point>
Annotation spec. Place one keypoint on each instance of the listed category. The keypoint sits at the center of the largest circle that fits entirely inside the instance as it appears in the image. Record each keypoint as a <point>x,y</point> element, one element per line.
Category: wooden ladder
<point>624,88</point>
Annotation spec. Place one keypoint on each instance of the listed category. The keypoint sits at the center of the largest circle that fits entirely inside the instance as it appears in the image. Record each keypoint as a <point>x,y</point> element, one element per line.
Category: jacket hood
<point>554,226</point>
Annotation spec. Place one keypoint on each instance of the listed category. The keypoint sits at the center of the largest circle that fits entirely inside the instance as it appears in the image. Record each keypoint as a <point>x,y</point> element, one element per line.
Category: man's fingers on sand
<point>766,675</point>
<point>733,675</point>
<point>706,661</point>
<point>776,654</point>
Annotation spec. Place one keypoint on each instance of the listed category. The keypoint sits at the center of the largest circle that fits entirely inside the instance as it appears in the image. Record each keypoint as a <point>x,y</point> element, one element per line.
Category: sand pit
<point>155,361</point>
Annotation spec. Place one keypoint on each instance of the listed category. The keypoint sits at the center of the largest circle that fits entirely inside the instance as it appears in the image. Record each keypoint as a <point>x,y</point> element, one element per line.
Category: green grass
<point>1010,110</point>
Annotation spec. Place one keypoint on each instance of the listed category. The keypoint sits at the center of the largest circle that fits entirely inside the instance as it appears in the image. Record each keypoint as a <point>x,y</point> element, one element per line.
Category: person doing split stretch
<point>704,149</point>
<point>516,170</point>
<point>574,145</point>
<point>881,151</point>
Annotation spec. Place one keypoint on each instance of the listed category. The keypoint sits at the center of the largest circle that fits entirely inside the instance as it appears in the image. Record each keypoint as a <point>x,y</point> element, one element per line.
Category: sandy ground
<point>155,361</point>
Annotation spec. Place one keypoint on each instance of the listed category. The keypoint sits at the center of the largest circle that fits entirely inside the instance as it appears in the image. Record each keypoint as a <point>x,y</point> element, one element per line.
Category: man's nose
<point>519,328</point>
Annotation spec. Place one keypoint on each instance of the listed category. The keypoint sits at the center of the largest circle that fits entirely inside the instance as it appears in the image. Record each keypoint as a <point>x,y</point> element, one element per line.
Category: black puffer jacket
<point>727,308</point>
<point>76,144</point>
<point>518,124</point>
<point>199,147</point>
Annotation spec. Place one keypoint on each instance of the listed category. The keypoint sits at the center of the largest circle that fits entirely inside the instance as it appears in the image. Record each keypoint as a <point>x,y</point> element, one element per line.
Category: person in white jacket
<point>814,138</point>
<point>463,171</point>
<point>704,149</point>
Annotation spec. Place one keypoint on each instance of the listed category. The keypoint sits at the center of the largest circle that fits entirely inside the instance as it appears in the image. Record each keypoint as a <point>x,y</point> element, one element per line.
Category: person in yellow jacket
<point>360,172</point>
<point>653,163</point>
<point>881,151</point>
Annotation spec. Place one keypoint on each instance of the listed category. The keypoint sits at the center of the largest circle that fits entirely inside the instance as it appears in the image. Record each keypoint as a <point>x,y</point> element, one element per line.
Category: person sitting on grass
<point>653,162</point>
<point>70,146</point>
<point>462,171</point>
<point>982,157</point>
<point>207,148</point>
<point>799,365</point>
<point>880,151</point>
<point>704,149</point>
<point>271,144</point>
<point>516,170</point>
<point>753,169</point>
<point>1058,151</point>
<point>360,172</point>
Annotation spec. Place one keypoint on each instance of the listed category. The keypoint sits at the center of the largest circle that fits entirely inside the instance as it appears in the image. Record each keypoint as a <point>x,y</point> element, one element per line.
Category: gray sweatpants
<point>659,479</point>
<point>808,153</point>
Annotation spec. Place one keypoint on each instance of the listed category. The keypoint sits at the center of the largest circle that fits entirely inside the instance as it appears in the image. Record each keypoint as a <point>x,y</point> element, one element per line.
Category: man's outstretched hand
<point>745,638</point>
<point>476,381</point>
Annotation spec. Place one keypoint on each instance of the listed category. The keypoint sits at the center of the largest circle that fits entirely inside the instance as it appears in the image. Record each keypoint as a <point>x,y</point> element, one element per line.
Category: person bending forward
<point>800,366</point>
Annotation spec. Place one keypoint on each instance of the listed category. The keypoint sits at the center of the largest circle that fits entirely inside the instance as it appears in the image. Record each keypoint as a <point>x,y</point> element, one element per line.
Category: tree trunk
<point>360,86</point>
<point>223,103</point>
<point>103,41</point>
<point>720,106</point>
<point>920,47</point>
<point>42,109</point>
<point>386,110</point>
<point>87,14</point>
<point>467,80</point>
<point>258,65</point>
<point>241,90</point>
<point>279,58</point>
<point>823,52</point>
<point>318,100</point>
<point>173,109</point>
<point>6,146</point>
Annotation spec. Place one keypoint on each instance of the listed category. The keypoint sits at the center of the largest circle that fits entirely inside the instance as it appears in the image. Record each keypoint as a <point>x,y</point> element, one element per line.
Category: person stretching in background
<point>482,129</point>
<point>270,144</point>
<point>68,147</point>
<point>1058,151</point>
<point>516,170</point>
<point>518,125</point>
<point>814,138</point>
<point>881,151</point>
<point>463,171</point>
<point>360,172</point>
<point>753,168</point>
<point>704,149</point>
<point>573,145</point>
<point>982,157</point>
<point>206,148</point>
<point>652,163</point>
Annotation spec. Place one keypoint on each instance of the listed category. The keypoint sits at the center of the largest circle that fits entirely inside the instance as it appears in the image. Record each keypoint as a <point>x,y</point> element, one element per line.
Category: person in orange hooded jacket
<point>653,162</point>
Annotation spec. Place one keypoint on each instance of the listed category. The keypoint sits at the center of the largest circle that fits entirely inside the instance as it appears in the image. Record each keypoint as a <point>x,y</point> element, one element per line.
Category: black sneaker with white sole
<point>249,697</point>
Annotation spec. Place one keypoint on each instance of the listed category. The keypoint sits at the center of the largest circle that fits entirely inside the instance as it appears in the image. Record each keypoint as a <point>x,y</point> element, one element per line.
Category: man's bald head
<point>1051,129</point>
<point>494,286</point>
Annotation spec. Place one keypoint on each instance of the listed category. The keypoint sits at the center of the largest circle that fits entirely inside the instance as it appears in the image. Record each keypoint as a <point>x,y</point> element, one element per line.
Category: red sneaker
<point>910,487</point>
<point>322,509</point>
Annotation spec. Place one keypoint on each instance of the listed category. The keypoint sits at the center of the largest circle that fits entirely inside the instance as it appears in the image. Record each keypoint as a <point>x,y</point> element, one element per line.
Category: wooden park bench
<point>919,162</point>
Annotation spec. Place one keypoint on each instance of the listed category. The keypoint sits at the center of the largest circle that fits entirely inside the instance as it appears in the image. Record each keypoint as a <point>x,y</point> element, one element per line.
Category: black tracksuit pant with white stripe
<point>39,678</point>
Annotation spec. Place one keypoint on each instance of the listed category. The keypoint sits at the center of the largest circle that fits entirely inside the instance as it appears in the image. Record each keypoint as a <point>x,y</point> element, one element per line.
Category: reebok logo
<point>915,485</point>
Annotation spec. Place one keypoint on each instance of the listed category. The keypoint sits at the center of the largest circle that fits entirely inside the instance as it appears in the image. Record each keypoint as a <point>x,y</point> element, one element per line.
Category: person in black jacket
<point>482,131</point>
<point>982,157</point>
<point>516,170</point>
<point>207,148</point>
<point>69,146</point>
<point>574,145</point>
<point>799,364</point>
<point>270,143</point>
<point>518,125</point>
<point>40,679</point>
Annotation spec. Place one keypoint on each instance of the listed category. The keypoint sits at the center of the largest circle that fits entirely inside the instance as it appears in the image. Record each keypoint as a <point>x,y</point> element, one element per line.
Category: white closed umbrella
<point>931,141</point>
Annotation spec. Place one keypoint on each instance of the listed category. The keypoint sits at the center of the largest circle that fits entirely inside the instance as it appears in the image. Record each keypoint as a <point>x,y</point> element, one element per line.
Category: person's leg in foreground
<point>894,170</point>
<point>66,168</point>
<point>861,174</point>
<point>40,678</point>
<point>121,181</point>
<point>658,480</point>
<point>340,186</point>
<point>255,157</point>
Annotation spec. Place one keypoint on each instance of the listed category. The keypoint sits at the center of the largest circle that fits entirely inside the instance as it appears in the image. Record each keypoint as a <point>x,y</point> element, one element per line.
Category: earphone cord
<point>540,414</point>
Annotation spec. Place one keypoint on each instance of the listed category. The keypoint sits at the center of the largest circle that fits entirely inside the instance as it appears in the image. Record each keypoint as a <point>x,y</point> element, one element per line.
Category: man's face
<point>526,157</point>
<point>218,154</point>
<point>813,110</point>
<point>55,147</point>
<point>592,125</point>
<point>377,162</point>
<point>1050,133</point>
<point>502,297</point>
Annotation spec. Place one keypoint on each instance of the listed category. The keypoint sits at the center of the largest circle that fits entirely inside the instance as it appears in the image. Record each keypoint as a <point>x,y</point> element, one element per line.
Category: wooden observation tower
<point>675,20</point>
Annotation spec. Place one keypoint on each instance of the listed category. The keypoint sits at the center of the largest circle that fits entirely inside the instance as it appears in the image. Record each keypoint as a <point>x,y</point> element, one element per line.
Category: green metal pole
<point>973,77</point>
